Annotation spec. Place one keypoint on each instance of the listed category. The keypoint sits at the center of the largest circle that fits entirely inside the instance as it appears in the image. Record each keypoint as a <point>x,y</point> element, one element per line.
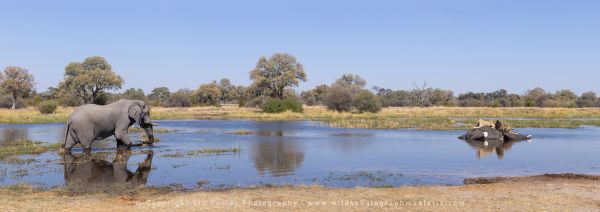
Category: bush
<point>6,102</point>
<point>47,107</point>
<point>282,105</point>
<point>365,101</point>
<point>338,99</point>
<point>180,98</point>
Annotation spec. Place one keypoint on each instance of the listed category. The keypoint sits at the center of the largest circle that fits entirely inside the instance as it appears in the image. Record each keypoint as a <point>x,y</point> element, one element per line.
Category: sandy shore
<point>544,192</point>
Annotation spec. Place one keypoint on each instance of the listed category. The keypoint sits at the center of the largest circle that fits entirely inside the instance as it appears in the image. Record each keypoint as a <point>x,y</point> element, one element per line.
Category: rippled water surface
<point>299,153</point>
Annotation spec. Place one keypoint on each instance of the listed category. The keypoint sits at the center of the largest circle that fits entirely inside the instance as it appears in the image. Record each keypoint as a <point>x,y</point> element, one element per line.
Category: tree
<point>354,83</point>
<point>535,97</point>
<point>440,97</point>
<point>338,99</point>
<point>134,94</point>
<point>227,91</point>
<point>207,94</point>
<point>587,99</point>
<point>88,79</point>
<point>399,98</point>
<point>365,101</point>
<point>471,99</point>
<point>565,98</point>
<point>272,76</point>
<point>160,95</point>
<point>18,82</point>
<point>180,98</point>
<point>314,96</point>
<point>421,94</point>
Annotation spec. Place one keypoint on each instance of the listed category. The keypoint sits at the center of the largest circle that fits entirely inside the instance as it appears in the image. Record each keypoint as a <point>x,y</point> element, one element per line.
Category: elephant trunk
<point>150,133</point>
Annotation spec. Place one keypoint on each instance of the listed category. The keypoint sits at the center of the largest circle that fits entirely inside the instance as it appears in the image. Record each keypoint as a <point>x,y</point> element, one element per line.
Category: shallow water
<point>300,152</point>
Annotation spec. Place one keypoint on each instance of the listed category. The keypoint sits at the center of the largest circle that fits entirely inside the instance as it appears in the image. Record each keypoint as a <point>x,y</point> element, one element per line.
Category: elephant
<point>490,133</point>
<point>96,122</point>
<point>84,170</point>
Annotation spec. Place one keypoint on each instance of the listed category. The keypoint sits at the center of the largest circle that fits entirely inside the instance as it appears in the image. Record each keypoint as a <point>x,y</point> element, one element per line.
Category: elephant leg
<point>123,141</point>
<point>69,143</point>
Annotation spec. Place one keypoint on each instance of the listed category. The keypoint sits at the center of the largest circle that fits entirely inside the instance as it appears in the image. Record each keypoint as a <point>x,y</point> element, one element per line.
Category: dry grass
<point>538,193</point>
<point>388,118</point>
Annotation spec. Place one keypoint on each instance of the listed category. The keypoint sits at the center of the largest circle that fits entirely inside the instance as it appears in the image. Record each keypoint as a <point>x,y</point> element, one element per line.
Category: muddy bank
<point>543,192</point>
<point>541,178</point>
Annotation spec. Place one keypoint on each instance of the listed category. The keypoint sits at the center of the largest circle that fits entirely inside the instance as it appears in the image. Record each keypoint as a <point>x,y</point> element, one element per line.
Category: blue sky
<point>478,45</point>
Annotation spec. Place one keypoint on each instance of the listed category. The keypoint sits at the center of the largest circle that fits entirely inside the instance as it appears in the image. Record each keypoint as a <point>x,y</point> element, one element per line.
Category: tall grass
<point>420,118</point>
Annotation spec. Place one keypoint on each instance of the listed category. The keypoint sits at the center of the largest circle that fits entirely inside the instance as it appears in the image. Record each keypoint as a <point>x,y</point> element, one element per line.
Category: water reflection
<point>14,134</point>
<point>36,132</point>
<point>489,147</point>
<point>96,171</point>
<point>277,157</point>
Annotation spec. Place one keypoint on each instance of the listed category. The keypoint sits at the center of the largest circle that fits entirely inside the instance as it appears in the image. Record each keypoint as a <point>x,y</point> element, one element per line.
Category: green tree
<point>18,82</point>
<point>314,96</point>
<point>207,94</point>
<point>587,99</point>
<point>365,101</point>
<point>88,79</point>
<point>338,99</point>
<point>353,83</point>
<point>180,98</point>
<point>160,95</point>
<point>272,76</point>
<point>535,97</point>
<point>227,91</point>
<point>134,94</point>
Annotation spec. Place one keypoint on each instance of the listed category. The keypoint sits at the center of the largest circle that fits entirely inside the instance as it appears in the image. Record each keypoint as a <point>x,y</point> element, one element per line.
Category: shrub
<point>6,102</point>
<point>365,101</point>
<point>242,103</point>
<point>47,107</point>
<point>181,98</point>
<point>282,105</point>
<point>338,99</point>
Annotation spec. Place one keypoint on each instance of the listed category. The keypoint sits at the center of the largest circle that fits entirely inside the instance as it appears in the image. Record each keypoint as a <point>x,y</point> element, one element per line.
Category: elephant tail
<point>64,144</point>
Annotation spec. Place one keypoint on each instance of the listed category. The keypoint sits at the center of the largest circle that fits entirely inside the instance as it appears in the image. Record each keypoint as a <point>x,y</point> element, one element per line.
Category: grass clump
<point>214,151</point>
<point>20,147</point>
<point>140,130</point>
<point>47,107</point>
<point>281,105</point>
<point>242,132</point>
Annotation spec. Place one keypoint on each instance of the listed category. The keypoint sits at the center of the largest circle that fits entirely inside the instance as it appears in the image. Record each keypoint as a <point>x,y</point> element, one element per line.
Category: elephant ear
<point>135,112</point>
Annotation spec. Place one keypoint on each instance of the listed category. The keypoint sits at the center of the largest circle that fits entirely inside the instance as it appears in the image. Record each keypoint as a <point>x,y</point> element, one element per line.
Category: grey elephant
<point>85,170</point>
<point>491,133</point>
<point>96,122</point>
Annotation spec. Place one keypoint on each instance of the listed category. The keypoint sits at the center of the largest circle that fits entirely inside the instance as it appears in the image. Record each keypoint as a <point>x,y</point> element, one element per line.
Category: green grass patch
<point>20,147</point>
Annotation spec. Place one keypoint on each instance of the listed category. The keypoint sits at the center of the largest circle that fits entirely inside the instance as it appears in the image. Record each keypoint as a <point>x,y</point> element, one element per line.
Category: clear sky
<point>478,45</point>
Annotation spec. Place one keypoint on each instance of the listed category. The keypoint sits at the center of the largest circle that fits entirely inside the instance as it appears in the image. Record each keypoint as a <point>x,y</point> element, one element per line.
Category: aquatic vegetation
<point>206,151</point>
<point>353,135</point>
<point>159,130</point>
<point>202,182</point>
<point>144,138</point>
<point>214,151</point>
<point>12,148</point>
<point>242,132</point>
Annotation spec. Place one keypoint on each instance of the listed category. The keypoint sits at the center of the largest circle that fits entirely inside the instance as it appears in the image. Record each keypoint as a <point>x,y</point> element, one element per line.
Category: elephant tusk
<point>154,124</point>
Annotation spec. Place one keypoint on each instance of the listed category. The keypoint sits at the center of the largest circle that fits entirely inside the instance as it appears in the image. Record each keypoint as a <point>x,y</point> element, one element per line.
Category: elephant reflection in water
<point>89,171</point>
<point>488,147</point>
<point>278,157</point>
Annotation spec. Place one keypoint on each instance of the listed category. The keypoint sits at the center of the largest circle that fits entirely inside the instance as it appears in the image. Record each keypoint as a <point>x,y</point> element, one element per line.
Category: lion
<point>484,123</point>
<point>503,127</point>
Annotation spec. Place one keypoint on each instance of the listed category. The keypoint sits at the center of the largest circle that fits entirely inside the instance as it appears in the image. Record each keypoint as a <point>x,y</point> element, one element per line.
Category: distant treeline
<point>93,81</point>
